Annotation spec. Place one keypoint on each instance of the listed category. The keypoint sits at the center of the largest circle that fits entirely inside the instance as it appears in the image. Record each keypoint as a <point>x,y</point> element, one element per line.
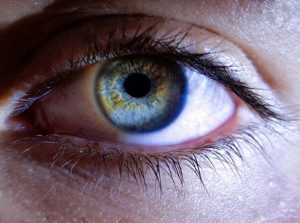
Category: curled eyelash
<point>170,45</point>
<point>91,161</point>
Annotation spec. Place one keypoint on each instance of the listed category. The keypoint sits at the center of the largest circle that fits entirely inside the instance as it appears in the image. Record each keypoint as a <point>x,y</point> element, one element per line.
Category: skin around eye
<point>201,106</point>
<point>181,107</point>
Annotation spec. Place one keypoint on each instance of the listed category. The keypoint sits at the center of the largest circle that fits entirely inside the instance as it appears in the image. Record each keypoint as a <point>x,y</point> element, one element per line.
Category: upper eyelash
<point>168,45</point>
<point>203,63</point>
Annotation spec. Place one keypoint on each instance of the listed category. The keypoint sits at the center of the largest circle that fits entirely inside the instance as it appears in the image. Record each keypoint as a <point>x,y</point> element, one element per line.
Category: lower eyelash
<point>98,161</point>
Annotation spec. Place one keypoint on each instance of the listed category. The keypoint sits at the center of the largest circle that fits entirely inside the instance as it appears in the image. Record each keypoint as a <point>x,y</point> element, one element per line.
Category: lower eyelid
<point>89,160</point>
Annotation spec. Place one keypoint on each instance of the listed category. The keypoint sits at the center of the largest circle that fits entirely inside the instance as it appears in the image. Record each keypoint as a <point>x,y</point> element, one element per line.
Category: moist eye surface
<point>140,93</point>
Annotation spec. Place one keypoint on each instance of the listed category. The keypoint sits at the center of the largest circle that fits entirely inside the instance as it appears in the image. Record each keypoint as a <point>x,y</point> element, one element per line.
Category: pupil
<point>137,85</point>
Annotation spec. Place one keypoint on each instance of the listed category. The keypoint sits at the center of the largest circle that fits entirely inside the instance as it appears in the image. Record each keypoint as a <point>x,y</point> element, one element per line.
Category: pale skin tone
<point>266,37</point>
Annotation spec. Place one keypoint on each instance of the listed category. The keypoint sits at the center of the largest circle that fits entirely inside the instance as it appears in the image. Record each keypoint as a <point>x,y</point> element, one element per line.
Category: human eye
<point>139,94</point>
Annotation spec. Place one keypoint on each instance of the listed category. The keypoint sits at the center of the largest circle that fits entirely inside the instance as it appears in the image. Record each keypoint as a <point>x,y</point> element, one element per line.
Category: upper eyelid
<point>35,37</point>
<point>36,34</point>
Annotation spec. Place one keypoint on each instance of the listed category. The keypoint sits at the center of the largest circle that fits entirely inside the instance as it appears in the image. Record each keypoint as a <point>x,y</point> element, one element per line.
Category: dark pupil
<point>137,85</point>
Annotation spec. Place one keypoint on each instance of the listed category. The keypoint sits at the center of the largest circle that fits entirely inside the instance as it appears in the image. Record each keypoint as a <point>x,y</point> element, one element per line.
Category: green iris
<point>140,93</point>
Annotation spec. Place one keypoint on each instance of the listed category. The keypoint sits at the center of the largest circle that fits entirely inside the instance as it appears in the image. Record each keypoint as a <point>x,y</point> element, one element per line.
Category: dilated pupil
<point>137,85</point>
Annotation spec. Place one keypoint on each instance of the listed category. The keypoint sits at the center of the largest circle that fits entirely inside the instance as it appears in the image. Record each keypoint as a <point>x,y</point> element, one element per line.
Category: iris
<point>141,93</point>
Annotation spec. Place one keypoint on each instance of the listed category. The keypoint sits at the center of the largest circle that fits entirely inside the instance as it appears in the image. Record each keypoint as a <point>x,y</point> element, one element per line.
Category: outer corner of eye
<point>140,102</point>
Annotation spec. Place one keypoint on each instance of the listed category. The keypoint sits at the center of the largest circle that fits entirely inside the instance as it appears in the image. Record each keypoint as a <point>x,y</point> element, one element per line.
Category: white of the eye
<point>208,107</point>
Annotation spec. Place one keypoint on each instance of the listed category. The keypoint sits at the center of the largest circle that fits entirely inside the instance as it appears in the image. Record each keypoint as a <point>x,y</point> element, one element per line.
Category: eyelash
<point>137,165</point>
<point>227,151</point>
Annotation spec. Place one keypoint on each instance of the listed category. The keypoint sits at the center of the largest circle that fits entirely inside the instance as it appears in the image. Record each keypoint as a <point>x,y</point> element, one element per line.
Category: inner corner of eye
<point>142,101</point>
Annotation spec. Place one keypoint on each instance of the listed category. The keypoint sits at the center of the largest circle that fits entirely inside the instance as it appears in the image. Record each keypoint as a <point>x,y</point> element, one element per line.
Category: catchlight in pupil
<point>137,85</point>
<point>140,93</point>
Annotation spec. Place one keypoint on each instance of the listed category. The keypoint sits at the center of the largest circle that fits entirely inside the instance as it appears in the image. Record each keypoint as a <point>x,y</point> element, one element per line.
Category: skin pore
<point>262,35</point>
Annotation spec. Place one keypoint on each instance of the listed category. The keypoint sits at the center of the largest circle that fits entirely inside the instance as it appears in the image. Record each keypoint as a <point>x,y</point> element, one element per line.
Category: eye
<point>145,85</point>
<point>137,100</point>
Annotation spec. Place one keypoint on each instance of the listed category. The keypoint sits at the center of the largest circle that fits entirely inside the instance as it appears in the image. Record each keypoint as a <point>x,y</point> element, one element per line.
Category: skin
<point>268,35</point>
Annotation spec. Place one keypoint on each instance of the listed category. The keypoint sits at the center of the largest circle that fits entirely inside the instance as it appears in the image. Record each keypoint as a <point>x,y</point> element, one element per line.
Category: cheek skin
<point>262,192</point>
